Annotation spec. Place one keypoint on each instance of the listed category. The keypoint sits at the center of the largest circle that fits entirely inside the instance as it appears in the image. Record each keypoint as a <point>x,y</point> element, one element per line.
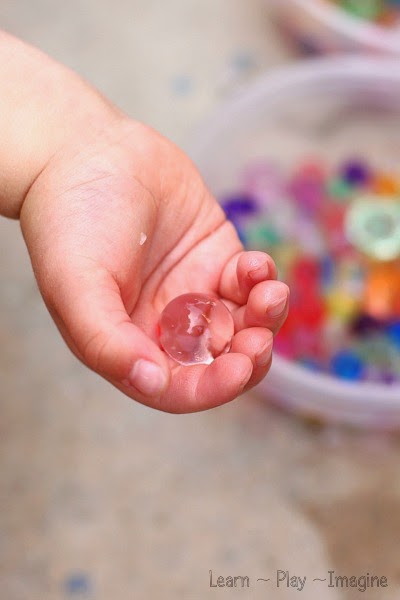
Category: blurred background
<point>102,498</point>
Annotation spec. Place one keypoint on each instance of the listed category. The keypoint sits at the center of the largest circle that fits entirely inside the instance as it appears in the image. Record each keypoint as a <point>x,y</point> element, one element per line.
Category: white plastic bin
<point>330,107</point>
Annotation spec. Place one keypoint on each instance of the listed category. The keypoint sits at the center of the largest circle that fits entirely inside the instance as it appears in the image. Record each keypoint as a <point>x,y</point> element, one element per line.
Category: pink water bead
<point>195,329</point>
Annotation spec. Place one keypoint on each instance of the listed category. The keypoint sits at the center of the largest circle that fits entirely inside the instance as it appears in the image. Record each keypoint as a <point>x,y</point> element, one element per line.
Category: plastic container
<point>320,27</point>
<point>331,108</point>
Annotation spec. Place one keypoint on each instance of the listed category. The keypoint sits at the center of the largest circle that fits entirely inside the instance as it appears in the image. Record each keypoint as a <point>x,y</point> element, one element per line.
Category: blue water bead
<point>346,364</point>
<point>393,332</point>
<point>311,364</point>
<point>327,272</point>
<point>240,206</point>
<point>355,172</point>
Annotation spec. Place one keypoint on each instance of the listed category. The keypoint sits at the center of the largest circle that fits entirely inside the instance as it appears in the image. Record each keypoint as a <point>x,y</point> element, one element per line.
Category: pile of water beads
<point>382,12</point>
<point>334,233</point>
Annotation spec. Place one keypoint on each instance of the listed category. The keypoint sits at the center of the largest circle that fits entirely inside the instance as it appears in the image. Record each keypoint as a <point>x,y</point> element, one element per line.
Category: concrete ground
<point>104,499</point>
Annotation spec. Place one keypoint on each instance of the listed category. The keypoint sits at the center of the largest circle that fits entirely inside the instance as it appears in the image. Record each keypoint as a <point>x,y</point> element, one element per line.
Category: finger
<point>242,272</point>
<point>201,387</point>
<point>267,306</point>
<point>92,314</point>
<point>256,343</point>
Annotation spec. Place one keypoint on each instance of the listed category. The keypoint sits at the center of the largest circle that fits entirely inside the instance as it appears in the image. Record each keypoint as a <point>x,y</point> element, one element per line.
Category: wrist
<point>43,107</point>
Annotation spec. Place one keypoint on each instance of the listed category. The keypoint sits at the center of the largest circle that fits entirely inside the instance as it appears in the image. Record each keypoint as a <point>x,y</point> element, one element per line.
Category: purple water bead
<point>364,325</point>
<point>355,172</point>
<point>388,377</point>
<point>239,206</point>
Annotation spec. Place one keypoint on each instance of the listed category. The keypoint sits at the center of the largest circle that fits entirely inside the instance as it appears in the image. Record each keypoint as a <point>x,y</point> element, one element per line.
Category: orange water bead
<point>382,290</point>
<point>386,185</point>
<point>389,17</point>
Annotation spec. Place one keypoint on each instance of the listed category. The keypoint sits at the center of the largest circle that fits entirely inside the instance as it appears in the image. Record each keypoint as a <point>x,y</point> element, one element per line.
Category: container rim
<point>364,32</point>
<point>355,69</point>
<point>363,393</point>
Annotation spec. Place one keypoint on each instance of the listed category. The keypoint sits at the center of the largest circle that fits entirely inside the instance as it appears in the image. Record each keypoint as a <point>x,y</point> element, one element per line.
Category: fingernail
<point>260,272</point>
<point>278,307</point>
<point>148,378</point>
<point>246,379</point>
<point>263,357</point>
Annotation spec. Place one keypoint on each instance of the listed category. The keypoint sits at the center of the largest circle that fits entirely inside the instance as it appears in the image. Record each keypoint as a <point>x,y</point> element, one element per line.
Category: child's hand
<point>117,225</point>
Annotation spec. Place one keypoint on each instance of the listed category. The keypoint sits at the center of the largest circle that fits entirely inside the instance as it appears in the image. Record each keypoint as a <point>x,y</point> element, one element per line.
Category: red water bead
<point>305,272</point>
<point>196,328</point>
<point>285,341</point>
<point>332,223</point>
<point>313,168</point>
<point>284,345</point>
<point>307,307</point>
<point>291,323</point>
<point>300,333</point>
<point>313,312</point>
<point>305,285</point>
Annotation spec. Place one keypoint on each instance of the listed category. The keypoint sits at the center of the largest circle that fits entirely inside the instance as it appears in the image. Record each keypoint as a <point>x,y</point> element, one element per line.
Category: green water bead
<point>262,236</point>
<point>339,190</point>
<point>364,9</point>
<point>375,350</point>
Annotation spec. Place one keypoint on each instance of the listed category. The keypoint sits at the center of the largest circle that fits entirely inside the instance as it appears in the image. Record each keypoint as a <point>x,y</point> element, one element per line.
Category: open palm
<point>118,225</point>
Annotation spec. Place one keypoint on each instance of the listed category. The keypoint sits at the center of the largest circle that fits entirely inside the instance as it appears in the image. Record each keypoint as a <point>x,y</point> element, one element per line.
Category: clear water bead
<point>373,226</point>
<point>195,329</point>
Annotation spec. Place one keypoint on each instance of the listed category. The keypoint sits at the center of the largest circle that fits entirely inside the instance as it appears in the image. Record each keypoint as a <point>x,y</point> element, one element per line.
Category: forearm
<point>42,105</point>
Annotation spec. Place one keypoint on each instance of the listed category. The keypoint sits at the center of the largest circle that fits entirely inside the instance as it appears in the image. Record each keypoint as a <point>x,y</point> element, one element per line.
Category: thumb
<point>89,311</point>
